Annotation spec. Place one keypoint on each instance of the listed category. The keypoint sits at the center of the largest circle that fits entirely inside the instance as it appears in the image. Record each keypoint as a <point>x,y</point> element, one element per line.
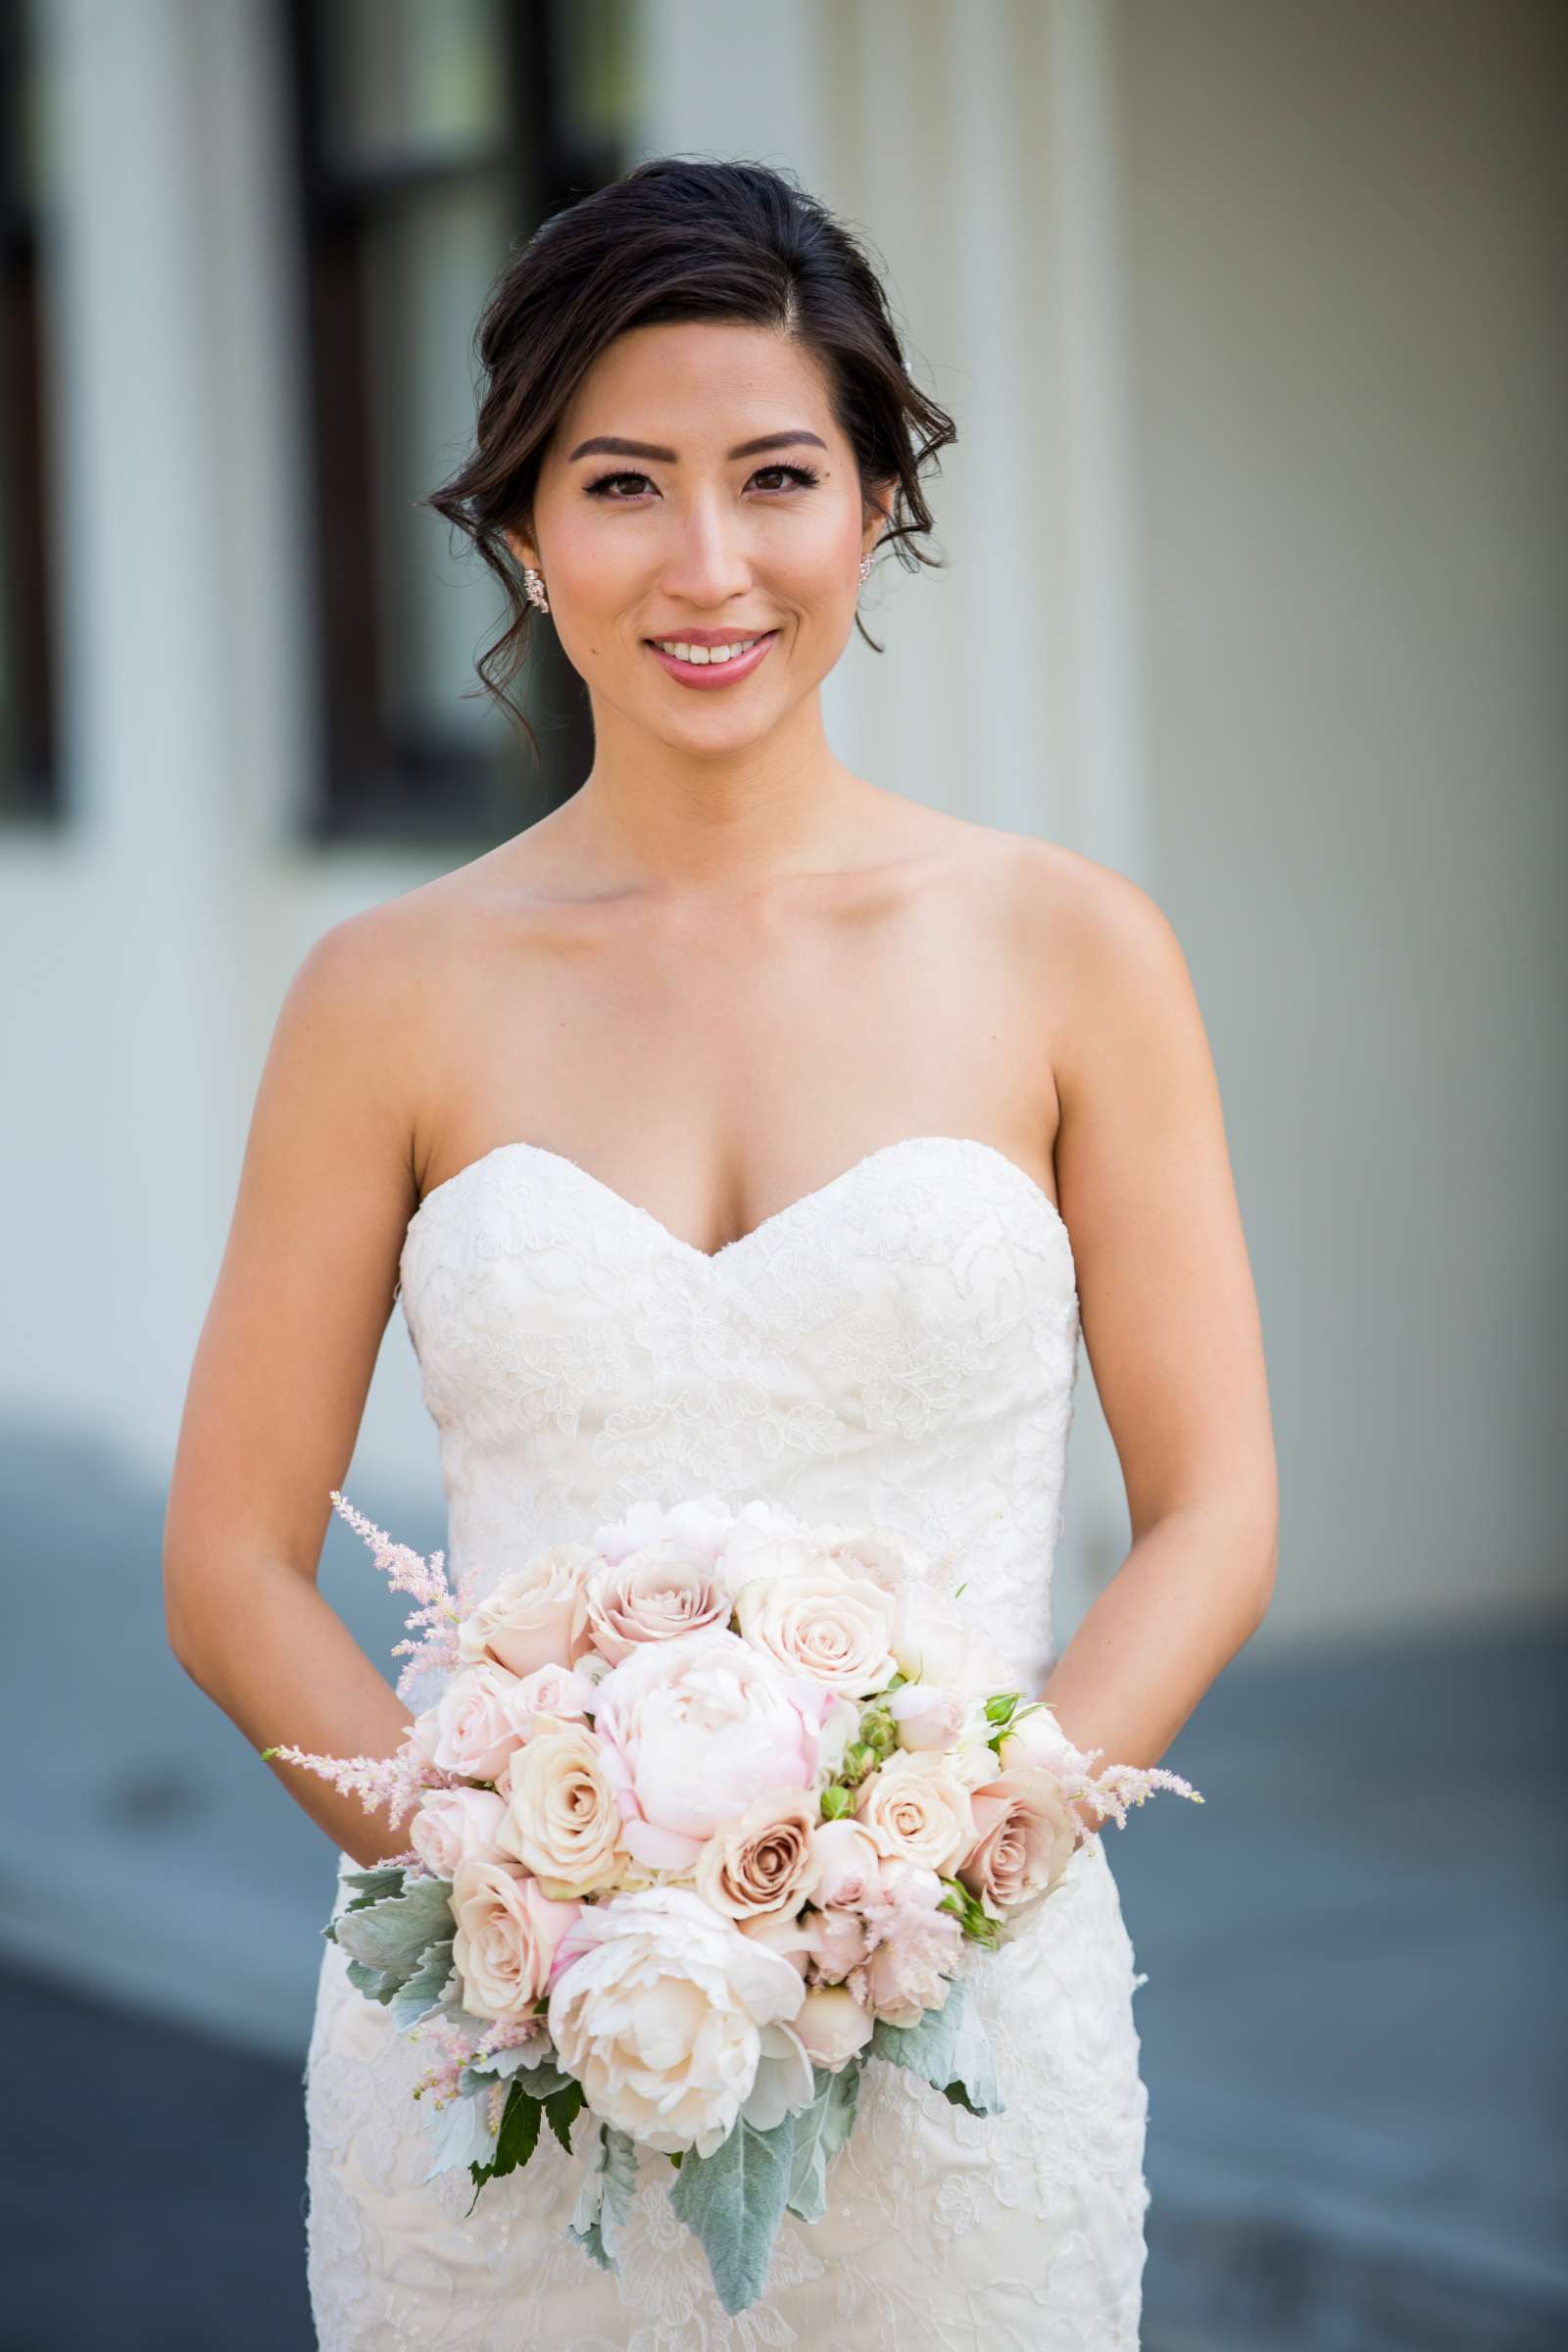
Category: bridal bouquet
<point>704,1814</point>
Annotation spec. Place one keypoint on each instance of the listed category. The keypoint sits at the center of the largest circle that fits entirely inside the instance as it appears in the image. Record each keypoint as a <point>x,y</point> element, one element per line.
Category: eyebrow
<point>608,445</point>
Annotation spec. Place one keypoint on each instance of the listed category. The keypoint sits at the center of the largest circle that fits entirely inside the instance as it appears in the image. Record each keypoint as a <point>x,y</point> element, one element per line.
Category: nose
<point>708,562</point>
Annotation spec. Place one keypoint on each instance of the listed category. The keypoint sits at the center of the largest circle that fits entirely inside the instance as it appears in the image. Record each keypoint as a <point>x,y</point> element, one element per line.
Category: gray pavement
<point>1355,2060</point>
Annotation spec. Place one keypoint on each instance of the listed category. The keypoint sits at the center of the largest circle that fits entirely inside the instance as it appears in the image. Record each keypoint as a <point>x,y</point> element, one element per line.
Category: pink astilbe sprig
<point>1122,1785</point>
<point>393,1782</point>
<point>441,2080</point>
<point>440,1612</point>
<point>511,2033</point>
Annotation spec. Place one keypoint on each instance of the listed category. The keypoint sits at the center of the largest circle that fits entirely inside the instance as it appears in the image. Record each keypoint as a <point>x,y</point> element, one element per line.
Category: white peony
<point>693,1730</point>
<point>702,1525</point>
<point>664,2012</point>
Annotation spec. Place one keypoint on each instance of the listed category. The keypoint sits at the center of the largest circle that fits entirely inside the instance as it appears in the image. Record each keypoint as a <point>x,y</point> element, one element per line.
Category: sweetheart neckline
<point>790,1208</point>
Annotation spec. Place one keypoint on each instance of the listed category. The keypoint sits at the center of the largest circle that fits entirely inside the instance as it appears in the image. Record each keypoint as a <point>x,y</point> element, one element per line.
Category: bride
<point>742,1127</point>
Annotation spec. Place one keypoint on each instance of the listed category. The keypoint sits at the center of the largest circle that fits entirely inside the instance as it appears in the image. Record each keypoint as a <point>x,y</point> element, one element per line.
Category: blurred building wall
<point>1252,322</point>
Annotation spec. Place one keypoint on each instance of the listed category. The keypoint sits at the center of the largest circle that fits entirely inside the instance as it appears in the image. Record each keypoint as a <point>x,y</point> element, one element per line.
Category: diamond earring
<point>865,569</point>
<point>533,582</point>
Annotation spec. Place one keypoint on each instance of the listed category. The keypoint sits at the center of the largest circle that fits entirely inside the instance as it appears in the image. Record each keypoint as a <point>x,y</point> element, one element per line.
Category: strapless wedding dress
<point>899,1346</point>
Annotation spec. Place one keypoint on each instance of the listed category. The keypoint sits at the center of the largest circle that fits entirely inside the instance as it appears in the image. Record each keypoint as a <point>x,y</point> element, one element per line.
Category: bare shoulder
<point>1089,908</point>
<point>383,972</point>
<point>1106,958</point>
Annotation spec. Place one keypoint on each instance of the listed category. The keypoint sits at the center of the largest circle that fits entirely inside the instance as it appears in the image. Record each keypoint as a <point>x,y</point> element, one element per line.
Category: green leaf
<point>820,2131</point>
<point>385,1879</point>
<point>374,1982</point>
<point>515,2142</point>
<point>540,2082</point>
<point>562,2107</point>
<point>426,1989</point>
<point>458,2134</point>
<point>604,2205</point>
<point>733,2201</point>
<point>393,1934</point>
<point>948,2049</point>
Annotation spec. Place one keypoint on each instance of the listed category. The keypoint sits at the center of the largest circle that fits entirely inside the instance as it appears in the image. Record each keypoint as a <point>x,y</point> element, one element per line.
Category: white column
<point>174,471</point>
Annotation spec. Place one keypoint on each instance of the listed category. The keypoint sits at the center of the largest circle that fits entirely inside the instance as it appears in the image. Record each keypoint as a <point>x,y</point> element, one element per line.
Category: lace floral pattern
<point>901,1345</point>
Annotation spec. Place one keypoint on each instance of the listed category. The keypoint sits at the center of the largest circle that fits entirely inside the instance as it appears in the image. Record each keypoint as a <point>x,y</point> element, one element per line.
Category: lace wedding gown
<point>899,1346</point>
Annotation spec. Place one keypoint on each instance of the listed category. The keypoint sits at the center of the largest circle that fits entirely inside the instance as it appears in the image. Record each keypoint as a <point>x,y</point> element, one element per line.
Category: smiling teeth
<point>699,654</point>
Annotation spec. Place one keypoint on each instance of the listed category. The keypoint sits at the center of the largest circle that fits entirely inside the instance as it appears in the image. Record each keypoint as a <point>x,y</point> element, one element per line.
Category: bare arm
<point>281,1372</point>
<point>1171,1325</point>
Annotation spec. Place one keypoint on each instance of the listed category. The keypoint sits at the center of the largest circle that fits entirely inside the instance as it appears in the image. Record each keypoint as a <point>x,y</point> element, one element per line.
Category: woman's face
<point>657,517</point>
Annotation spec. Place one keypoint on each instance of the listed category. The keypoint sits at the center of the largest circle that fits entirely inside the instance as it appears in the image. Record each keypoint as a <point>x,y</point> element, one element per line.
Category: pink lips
<point>706,676</point>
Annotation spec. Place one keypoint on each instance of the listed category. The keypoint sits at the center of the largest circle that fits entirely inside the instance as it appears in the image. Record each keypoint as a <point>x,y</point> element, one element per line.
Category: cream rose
<point>1035,1737</point>
<point>914,1809</point>
<point>507,1932</point>
<point>933,1641</point>
<point>1025,1839</point>
<point>973,1759</point>
<point>456,1825</point>
<point>535,1617</point>
<point>761,1864</point>
<point>562,1820</point>
<point>833,2026</point>
<point>928,1714</point>
<point>806,1612</point>
<point>663,1589</point>
<point>664,2012</point>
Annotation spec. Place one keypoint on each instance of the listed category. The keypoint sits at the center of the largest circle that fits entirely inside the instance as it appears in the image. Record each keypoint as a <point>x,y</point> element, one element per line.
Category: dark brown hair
<point>677,240</point>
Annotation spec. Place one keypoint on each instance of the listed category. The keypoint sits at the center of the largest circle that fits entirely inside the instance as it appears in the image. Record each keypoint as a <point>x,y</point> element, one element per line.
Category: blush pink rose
<point>661,1590</point>
<point>848,1865</point>
<point>508,1930</point>
<point>456,1825</point>
<point>469,1730</point>
<point>561,1692</point>
<point>535,1617</point>
<point>1026,1835</point>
